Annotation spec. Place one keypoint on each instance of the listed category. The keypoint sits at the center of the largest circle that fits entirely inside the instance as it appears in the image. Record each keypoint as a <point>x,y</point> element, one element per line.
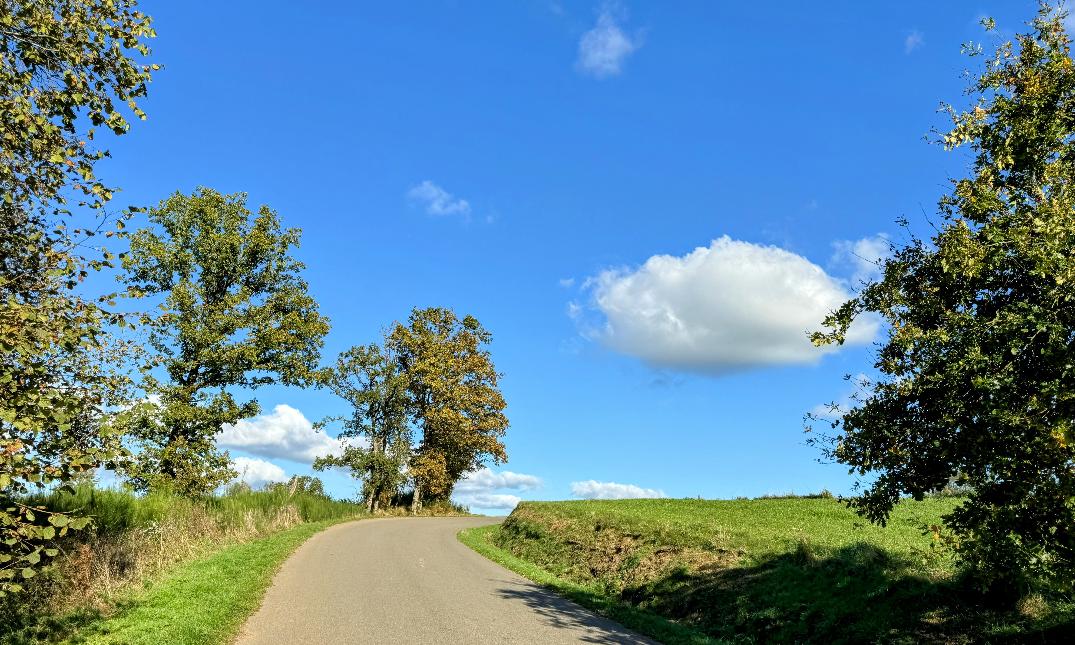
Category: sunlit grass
<point>783,569</point>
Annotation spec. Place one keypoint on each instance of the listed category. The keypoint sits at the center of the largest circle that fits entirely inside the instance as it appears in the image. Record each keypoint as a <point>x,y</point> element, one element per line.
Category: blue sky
<point>552,168</point>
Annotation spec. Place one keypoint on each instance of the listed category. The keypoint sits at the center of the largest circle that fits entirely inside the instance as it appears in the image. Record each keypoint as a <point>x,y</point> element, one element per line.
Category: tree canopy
<point>237,315</point>
<point>370,380</point>
<point>977,375</point>
<point>66,68</point>
<point>454,388</point>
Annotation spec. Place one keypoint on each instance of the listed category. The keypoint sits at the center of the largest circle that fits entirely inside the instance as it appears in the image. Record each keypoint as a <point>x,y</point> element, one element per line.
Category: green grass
<point>203,602</point>
<point>139,543</point>
<point>784,569</point>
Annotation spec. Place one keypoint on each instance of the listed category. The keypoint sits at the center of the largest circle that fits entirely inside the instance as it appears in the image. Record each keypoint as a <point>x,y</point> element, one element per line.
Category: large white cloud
<point>477,489</point>
<point>603,49</point>
<point>285,433</point>
<point>257,472</point>
<point>729,306</point>
<point>591,489</point>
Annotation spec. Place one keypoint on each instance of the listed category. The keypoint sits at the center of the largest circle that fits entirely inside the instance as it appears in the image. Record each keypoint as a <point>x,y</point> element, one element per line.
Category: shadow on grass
<point>855,594</point>
<point>37,629</point>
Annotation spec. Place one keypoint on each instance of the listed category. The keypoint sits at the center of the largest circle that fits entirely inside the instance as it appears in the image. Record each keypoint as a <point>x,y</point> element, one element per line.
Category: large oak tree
<point>456,397</point>
<point>237,316</point>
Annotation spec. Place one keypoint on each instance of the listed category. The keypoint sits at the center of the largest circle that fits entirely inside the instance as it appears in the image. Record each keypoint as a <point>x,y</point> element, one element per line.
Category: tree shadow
<point>562,613</point>
<point>854,594</point>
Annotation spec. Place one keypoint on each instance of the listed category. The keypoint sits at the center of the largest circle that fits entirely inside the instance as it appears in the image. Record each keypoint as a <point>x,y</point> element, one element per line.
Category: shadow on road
<point>561,613</point>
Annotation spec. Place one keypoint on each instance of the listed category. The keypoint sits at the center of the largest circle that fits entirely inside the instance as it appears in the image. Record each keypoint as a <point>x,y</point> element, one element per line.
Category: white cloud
<point>485,479</point>
<point>438,201</point>
<point>913,41</point>
<point>476,490</point>
<point>567,283</point>
<point>283,434</point>
<point>591,489</point>
<point>603,49</point>
<point>864,257</point>
<point>729,306</point>
<point>491,501</point>
<point>257,472</point>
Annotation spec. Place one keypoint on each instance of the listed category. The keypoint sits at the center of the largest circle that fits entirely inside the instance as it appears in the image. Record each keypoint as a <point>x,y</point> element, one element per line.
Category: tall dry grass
<point>135,539</point>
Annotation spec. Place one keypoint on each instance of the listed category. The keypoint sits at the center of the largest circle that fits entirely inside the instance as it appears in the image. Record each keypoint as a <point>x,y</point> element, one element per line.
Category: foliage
<point>306,485</point>
<point>977,376</point>
<point>63,68</point>
<point>766,570</point>
<point>455,395</point>
<point>236,315</point>
<point>371,381</point>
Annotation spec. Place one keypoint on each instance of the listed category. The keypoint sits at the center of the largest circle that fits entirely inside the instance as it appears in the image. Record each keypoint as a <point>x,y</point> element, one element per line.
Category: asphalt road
<point>409,580</point>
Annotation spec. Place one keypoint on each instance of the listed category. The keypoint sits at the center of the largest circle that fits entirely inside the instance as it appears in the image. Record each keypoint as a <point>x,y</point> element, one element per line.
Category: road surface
<point>409,580</point>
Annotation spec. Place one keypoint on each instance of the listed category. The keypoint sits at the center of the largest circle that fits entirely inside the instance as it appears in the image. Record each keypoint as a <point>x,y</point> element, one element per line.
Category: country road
<point>409,580</point>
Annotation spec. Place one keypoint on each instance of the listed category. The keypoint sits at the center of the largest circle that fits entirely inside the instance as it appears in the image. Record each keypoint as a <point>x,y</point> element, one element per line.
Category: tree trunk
<point>370,502</point>
<point>416,501</point>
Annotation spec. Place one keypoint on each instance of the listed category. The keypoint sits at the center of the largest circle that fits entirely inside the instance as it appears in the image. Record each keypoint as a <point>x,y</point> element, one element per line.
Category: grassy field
<point>784,569</point>
<point>145,552</point>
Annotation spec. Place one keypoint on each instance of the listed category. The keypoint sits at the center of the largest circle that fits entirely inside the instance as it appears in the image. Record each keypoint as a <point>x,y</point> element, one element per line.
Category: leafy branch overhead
<point>67,69</point>
<point>977,374</point>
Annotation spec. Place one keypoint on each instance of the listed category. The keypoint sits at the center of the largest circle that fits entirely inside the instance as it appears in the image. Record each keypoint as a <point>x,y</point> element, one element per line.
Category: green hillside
<point>784,569</point>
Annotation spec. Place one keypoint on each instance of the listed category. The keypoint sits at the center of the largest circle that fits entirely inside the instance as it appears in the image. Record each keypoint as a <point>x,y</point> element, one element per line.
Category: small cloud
<point>477,489</point>
<point>865,257</point>
<point>437,201</point>
<point>603,49</point>
<point>567,283</point>
<point>913,41</point>
<point>491,501</point>
<point>257,472</point>
<point>486,479</point>
<point>833,411</point>
<point>591,489</point>
<point>285,433</point>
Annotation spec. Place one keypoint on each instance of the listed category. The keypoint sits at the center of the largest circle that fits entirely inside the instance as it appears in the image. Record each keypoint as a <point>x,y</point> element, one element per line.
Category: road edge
<point>163,611</point>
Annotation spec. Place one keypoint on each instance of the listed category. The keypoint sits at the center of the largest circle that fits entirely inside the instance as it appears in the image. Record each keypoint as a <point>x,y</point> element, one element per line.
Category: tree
<point>370,380</point>
<point>455,395</point>
<point>63,68</point>
<point>977,376</point>
<point>236,315</point>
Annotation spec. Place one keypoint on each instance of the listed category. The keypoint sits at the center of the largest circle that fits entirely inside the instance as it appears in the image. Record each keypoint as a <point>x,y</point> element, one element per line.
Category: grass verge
<point>202,602</point>
<point>766,570</point>
<point>649,624</point>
